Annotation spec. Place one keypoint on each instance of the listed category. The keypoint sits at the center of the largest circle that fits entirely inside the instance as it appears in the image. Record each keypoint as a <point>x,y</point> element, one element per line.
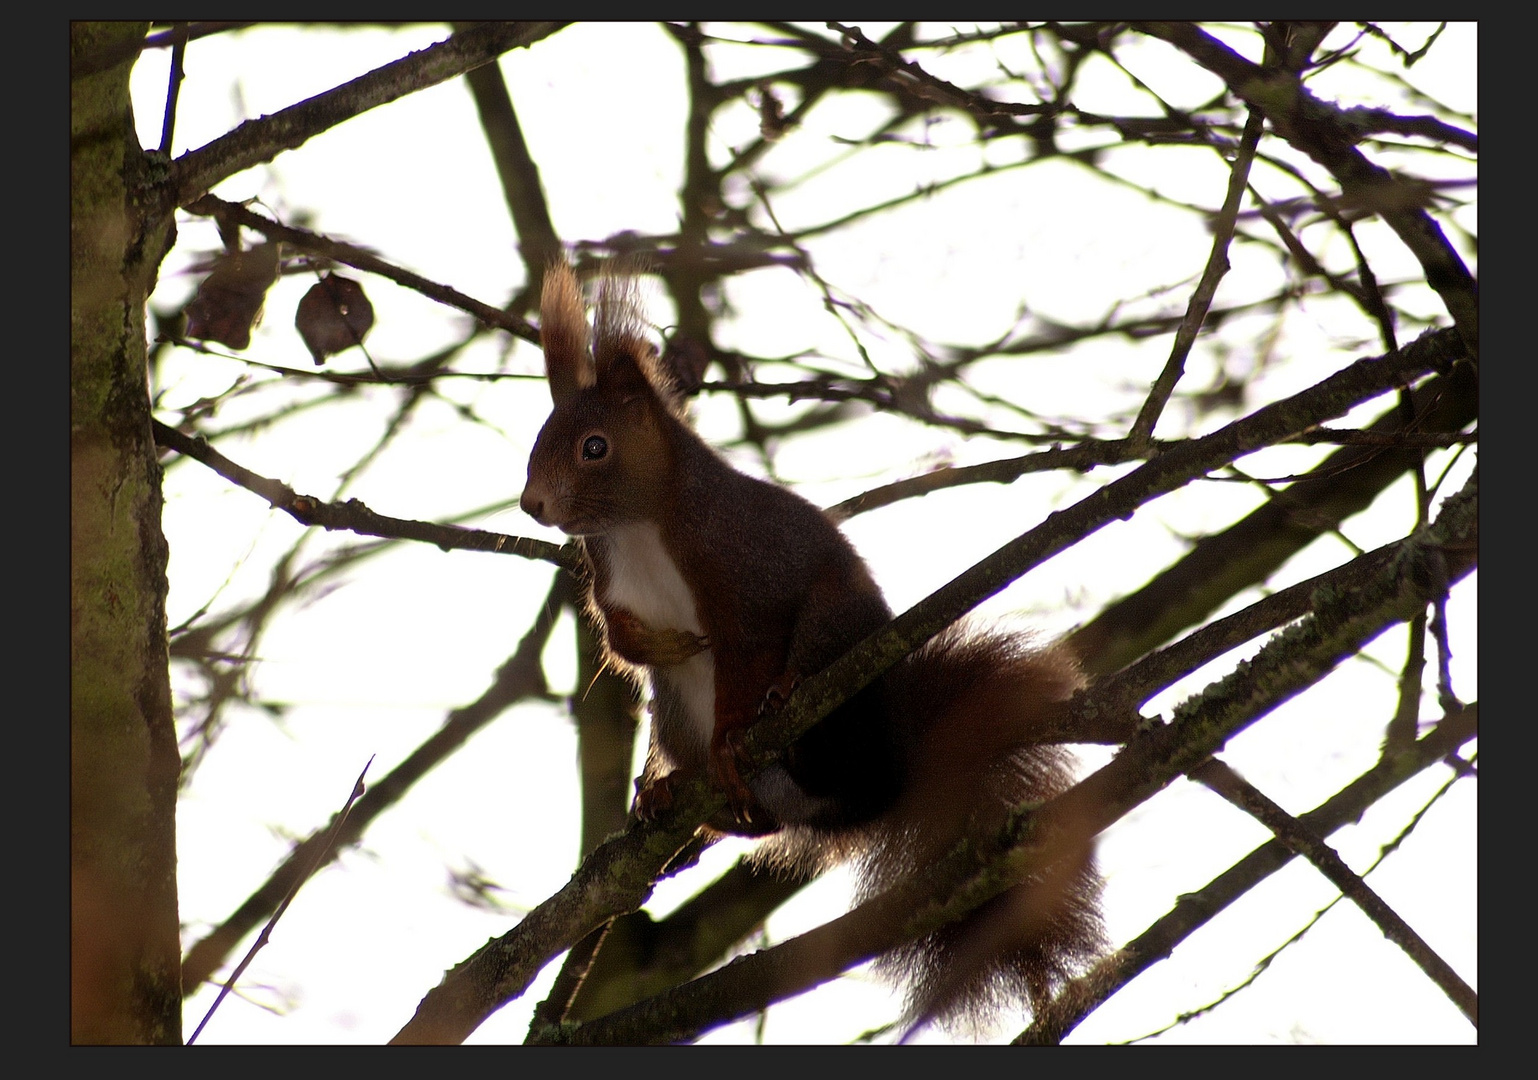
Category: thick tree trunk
<point>124,942</point>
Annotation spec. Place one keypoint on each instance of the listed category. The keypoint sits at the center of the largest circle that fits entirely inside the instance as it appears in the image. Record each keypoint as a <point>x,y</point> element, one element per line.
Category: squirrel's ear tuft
<point>563,333</point>
<point>623,353</point>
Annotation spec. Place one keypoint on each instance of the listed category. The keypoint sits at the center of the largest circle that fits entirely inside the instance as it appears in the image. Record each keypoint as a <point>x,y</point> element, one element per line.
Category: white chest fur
<point>644,579</point>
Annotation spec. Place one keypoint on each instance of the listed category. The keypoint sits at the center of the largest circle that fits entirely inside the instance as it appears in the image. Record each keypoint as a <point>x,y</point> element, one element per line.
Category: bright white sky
<point>371,670</point>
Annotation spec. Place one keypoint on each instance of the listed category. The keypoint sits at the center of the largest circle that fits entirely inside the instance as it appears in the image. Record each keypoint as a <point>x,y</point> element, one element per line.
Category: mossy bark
<point>124,942</point>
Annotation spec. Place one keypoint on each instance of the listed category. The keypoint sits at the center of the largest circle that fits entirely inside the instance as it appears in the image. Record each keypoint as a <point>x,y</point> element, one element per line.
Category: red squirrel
<point>726,591</point>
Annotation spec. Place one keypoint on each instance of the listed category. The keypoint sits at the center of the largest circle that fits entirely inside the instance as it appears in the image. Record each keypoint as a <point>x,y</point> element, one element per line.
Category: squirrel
<point>726,591</point>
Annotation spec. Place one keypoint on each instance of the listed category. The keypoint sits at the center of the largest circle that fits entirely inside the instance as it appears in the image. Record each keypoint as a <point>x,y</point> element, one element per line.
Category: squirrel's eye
<point>594,447</point>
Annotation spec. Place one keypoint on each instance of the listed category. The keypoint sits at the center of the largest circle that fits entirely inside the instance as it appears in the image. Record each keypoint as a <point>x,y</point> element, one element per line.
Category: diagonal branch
<point>1195,909</point>
<point>326,847</point>
<point>1120,499</point>
<point>538,243</point>
<point>261,140</point>
<point>1301,840</point>
<point>1245,554</point>
<point>520,677</point>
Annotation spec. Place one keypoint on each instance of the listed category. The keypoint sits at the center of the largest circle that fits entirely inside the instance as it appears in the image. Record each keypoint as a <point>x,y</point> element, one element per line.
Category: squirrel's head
<point>603,457</point>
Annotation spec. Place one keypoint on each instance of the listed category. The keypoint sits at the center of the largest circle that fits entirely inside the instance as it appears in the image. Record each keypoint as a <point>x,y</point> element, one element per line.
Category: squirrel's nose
<point>532,502</point>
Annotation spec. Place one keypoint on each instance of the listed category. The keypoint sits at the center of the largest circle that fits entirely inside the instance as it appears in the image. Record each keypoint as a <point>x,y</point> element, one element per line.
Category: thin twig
<point>173,91</point>
<point>266,934</point>
<point>1206,289</point>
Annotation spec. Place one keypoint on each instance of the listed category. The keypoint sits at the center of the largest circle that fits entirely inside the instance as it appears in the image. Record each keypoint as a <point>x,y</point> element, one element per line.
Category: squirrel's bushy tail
<point>973,708</point>
<point>969,711</point>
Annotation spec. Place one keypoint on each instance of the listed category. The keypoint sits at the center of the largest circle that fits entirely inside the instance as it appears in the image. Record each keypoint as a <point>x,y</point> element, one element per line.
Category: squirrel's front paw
<point>639,643</point>
<point>654,799</point>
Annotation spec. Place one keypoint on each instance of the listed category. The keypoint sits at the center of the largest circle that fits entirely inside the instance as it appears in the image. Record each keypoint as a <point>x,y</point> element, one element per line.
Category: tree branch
<point>1196,909</point>
<point>353,516</point>
<point>1303,841</point>
<point>1325,134</point>
<point>519,677</point>
<point>1207,287</point>
<point>348,254</point>
<point>1219,566</point>
<point>261,140</point>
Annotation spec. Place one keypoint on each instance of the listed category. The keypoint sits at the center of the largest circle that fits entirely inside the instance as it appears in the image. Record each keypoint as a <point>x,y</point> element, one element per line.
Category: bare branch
<point>353,516</point>
<point>261,140</point>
